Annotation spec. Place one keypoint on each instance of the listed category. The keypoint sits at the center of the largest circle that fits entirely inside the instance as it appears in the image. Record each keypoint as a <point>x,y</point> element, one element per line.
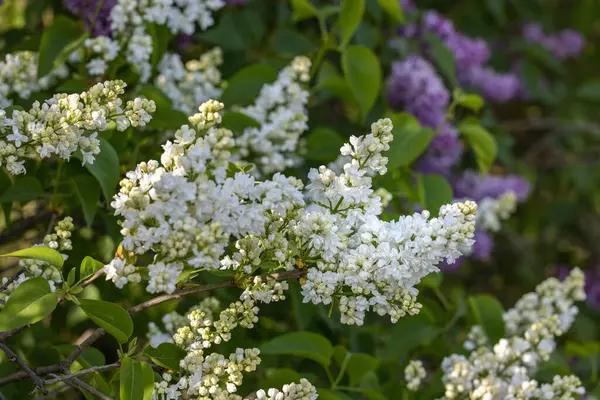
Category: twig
<point>12,279</point>
<point>14,358</point>
<point>92,370</point>
<point>82,385</point>
<point>2,397</point>
<point>61,390</point>
<point>98,333</point>
<point>97,275</point>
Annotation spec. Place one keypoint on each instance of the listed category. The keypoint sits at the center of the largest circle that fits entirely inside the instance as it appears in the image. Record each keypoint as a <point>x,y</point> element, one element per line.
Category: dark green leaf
<point>56,38</point>
<point>496,8</point>
<point>323,144</point>
<point>393,8</point>
<point>89,267</point>
<point>42,253</point>
<point>409,333</point>
<point>245,85</point>
<point>166,355</point>
<point>106,168</point>
<point>238,122</point>
<point>280,377</point>
<point>488,313</point>
<point>589,91</point>
<point>302,344</point>
<point>23,189</point>
<point>436,192</point>
<point>433,280</point>
<point>136,380</point>
<point>31,302</point>
<point>351,14</point>
<point>359,365</point>
<point>289,41</point>
<point>363,74</point>
<point>226,34</point>
<point>443,57</point>
<point>410,140</point>
<point>88,193</point>
<point>112,317</point>
<point>481,141</point>
<point>160,41</point>
<point>303,9</point>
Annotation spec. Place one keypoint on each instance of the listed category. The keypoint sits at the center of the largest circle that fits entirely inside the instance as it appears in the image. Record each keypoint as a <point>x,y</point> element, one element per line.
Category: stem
<point>57,183</point>
<point>92,370</point>
<point>12,279</point>
<point>442,298</point>
<point>96,13</point>
<point>82,385</point>
<point>342,370</point>
<point>14,358</point>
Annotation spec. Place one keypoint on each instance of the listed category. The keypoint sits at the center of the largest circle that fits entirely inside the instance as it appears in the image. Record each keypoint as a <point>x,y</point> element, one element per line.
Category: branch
<point>98,333</point>
<point>82,385</point>
<point>12,279</point>
<point>14,358</point>
<point>92,370</point>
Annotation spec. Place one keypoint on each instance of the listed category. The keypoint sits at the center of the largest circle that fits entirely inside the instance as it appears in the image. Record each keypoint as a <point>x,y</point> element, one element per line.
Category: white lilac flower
<point>191,84</point>
<point>504,370</point>
<point>280,110</point>
<point>18,76</point>
<point>303,390</point>
<point>102,50</point>
<point>414,373</point>
<point>68,124</point>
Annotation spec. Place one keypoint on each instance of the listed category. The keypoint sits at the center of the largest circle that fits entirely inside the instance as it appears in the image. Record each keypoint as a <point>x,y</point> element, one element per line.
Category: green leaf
<point>496,8</point>
<point>88,193</point>
<point>323,144</point>
<point>303,9</point>
<point>106,168</point>
<point>302,344</point>
<point>589,91</point>
<point>56,38</point>
<point>393,8</point>
<point>31,302</point>
<point>279,377</point>
<point>245,85</point>
<point>436,192</point>
<point>166,355</point>
<point>167,118</point>
<point>226,34</point>
<point>488,313</point>
<point>89,267</point>
<point>358,366</point>
<point>433,280</point>
<point>238,122</point>
<point>443,57</point>
<point>23,189</point>
<point>41,253</point>
<point>327,394</point>
<point>481,141</point>
<point>109,316</point>
<point>136,380</point>
<point>471,101</point>
<point>410,140</point>
<point>363,74</point>
<point>410,332</point>
<point>290,42</point>
<point>351,13</point>
<point>160,41</point>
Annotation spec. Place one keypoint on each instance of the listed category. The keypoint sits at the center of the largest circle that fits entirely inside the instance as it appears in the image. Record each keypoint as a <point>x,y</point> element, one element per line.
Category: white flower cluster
<point>213,376</point>
<point>66,124</point>
<point>60,240</point>
<point>188,212</point>
<point>492,212</point>
<point>121,273</point>
<point>18,76</point>
<point>280,110</point>
<point>130,17</point>
<point>414,373</point>
<point>191,84</point>
<point>363,262</point>
<point>303,390</point>
<point>504,371</point>
<point>102,50</point>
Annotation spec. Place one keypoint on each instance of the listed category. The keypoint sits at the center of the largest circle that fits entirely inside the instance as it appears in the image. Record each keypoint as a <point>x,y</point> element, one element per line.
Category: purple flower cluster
<point>415,86</point>
<point>86,9</point>
<point>563,44</point>
<point>444,152</point>
<point>476,187</point>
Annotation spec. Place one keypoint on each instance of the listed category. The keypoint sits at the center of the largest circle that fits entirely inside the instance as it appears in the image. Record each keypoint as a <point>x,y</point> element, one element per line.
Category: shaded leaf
<point>488,313</point>
<point>31,302</point>
<point>106,168</point>
<point>166,355</point>
<point>363,74</point>
<point>351,13</point>
<point>23,189</point>
<point>302,344</point>
<point>109,316</point>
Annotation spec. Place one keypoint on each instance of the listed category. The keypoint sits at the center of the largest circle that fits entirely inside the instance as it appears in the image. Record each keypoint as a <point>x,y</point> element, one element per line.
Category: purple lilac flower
<point>563,44</point>
<point>592,283</point>
<point>415,86</point>
<point>473,186</point>
<point>482,251</point>
<point>443,153</point>
<point>496,86</point>
<point>86,9</point>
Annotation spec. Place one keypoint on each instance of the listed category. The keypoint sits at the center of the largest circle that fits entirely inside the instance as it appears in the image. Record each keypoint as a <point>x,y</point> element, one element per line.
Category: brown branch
<point>92,370</point>
<point>12,279</point>
<point>98,333</point>
<point>14,358</point>
<point>82,385</point>
<point>97,275</point>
